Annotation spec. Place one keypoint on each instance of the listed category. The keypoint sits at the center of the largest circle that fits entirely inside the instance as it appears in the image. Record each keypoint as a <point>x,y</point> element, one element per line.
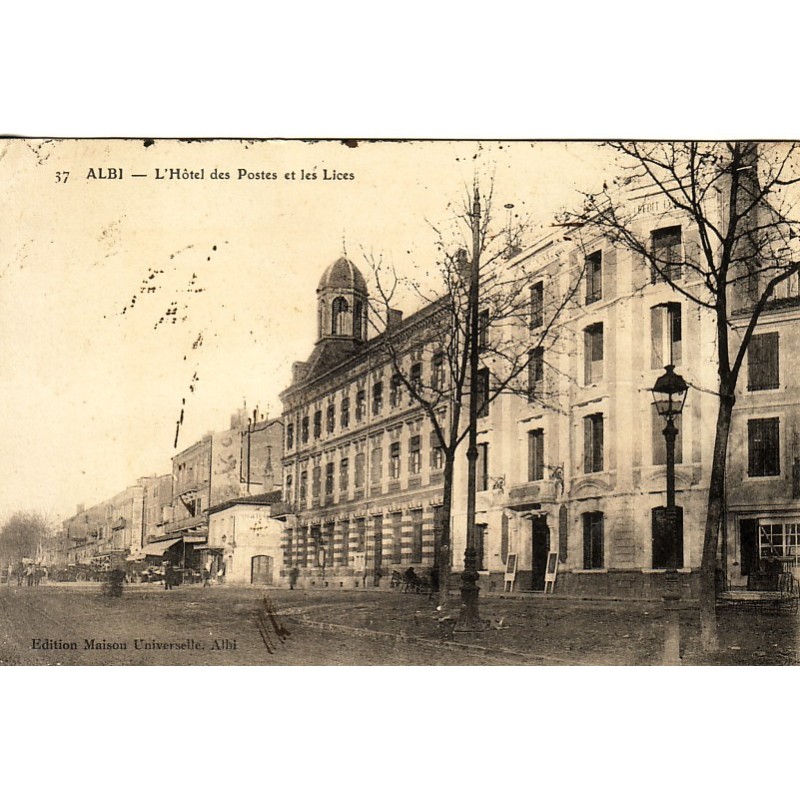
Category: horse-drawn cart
<point>778,596</point>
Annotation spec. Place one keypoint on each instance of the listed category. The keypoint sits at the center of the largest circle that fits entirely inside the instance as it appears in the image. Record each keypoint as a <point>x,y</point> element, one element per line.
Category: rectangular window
<point>345,413</point>
<point>437,452</point>
<point>593,443</point>
<point>394,460</point>
<point>376,465</point>
<point>330,422</point>
<point>536,455</point>
<point>483,329</point>
<point>415,377</point>
<point>537,305</point>
<point>660,443</point>
<point>304,430</point>
<point>483,392</point>
<point>437,376</point>
<point>303,487</point>
<point>377,398</point>
<point>345,554</point>
<point>397,537</point>
<point>780,540</point>
<point>290,436</point>
<point>316,481</point>
<point>377,536</point>
<point>396,391</point>
<point>481,532</point>
<point>288,488</point>
<point>667,254</point>
<point>594,278</point>
<point>344,475</point>
<point>593,353</point>
<point>593,540</point>
<point>666,335</point>
<point>416,535</point>
<point>359,476</point>
<point>482,468</point>
<point>667,539</point>
<point>762,362</point>
<point>415,455</point>
<point>361,534</point>
<point>535,373</point>
<point>763,447</point>
<point>317,424</point>
<point>361,404</point>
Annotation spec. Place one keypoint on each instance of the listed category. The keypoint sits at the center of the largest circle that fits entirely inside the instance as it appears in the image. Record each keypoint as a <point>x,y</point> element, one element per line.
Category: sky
<point>126,301</point>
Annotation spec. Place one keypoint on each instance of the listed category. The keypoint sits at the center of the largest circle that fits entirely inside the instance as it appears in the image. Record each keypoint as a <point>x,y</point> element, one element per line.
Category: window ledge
<point>681,571</point>
<point>590,572</point>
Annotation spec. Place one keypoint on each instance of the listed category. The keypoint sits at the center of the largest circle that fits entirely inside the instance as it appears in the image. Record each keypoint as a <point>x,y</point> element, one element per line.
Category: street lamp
<point>669,395</point>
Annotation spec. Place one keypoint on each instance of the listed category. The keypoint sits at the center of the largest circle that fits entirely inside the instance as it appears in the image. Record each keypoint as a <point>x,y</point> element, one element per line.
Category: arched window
<point>339,310</point>
<point>358,313</point>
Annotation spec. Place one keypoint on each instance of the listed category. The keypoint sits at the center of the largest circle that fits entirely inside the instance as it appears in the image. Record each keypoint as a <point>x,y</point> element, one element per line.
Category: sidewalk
<point>552,629</point>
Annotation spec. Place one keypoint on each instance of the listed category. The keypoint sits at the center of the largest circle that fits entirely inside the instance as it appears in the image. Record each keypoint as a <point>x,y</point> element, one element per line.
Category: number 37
<point>61,177</point>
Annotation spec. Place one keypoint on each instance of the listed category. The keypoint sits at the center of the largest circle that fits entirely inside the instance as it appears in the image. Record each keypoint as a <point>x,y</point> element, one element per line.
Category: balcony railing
<point>196,521</point>
<point>545,491</point>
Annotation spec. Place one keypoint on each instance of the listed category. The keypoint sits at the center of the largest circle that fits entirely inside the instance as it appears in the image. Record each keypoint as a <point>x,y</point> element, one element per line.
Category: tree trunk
<point>716,494</point>
<point>445,544</point>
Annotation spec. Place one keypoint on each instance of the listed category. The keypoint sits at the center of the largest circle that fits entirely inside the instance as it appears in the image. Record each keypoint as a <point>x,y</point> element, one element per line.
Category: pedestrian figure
<point>29,575</point>
<point>434,578</point>
<point>378,576</point>
<point>294,574</point>
<point>168,575</point>
<point>207,573</point>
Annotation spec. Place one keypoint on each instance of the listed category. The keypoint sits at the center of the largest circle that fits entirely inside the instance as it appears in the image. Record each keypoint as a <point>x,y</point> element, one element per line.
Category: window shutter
<point>587,541</point>
<point>597,430</point>
<point>562,534</point>
<point>587,444</point>
<point>587,357</point>
<point>692,252</point>
<point>657,337</point>
<point>609,274</point>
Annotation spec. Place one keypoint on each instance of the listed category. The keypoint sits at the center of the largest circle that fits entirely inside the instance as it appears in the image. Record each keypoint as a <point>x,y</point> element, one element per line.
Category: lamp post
<point>669,395</point>
<point>469,619</point>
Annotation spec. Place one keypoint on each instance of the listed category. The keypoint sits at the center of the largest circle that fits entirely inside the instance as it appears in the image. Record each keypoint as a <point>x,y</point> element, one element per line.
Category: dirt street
<point>76,624</point>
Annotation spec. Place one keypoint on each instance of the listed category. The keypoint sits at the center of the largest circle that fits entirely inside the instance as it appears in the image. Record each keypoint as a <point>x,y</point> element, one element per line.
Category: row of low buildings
<point>348,486</point>
<point>211,512</point>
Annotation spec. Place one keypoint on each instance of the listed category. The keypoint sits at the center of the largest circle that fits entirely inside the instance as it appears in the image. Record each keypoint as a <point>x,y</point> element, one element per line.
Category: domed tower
<point>342,302</point>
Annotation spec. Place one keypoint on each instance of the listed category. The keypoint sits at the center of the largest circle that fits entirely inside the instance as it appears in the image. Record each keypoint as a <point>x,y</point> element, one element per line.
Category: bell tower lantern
<point>342,303</point>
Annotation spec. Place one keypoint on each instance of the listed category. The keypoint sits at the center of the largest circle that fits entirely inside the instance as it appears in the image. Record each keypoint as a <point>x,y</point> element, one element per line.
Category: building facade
<point>237,462</point>
<point>244,541</point>
<point>362,477</point>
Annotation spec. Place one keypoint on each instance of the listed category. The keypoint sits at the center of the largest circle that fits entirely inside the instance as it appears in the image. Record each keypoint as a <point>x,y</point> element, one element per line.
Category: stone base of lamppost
<point>469,620</point>
<point>672,633</point>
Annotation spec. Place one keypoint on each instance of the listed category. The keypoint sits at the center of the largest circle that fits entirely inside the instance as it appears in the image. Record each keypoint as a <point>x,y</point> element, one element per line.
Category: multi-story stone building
<point>362,477</point>
<point>575,472</point>
<point>223,465</point>
<point>578,469</point>
<point>763,500</point>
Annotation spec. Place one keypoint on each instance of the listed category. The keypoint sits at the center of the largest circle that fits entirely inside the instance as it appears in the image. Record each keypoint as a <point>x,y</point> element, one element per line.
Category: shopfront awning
<point>158,548</point>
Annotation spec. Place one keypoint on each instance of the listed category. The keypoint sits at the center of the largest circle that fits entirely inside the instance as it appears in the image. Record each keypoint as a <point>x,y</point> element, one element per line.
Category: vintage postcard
<point>351,402</point>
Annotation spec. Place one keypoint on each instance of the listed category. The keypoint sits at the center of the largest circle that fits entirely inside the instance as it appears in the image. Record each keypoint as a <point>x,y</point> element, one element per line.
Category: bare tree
<point>21,536</point>
<point>512,351</point>
<point>739,199</point>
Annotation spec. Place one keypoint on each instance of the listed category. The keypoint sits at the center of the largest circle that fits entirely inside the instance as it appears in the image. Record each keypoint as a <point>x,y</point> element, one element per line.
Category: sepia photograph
<point>353,402</point>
